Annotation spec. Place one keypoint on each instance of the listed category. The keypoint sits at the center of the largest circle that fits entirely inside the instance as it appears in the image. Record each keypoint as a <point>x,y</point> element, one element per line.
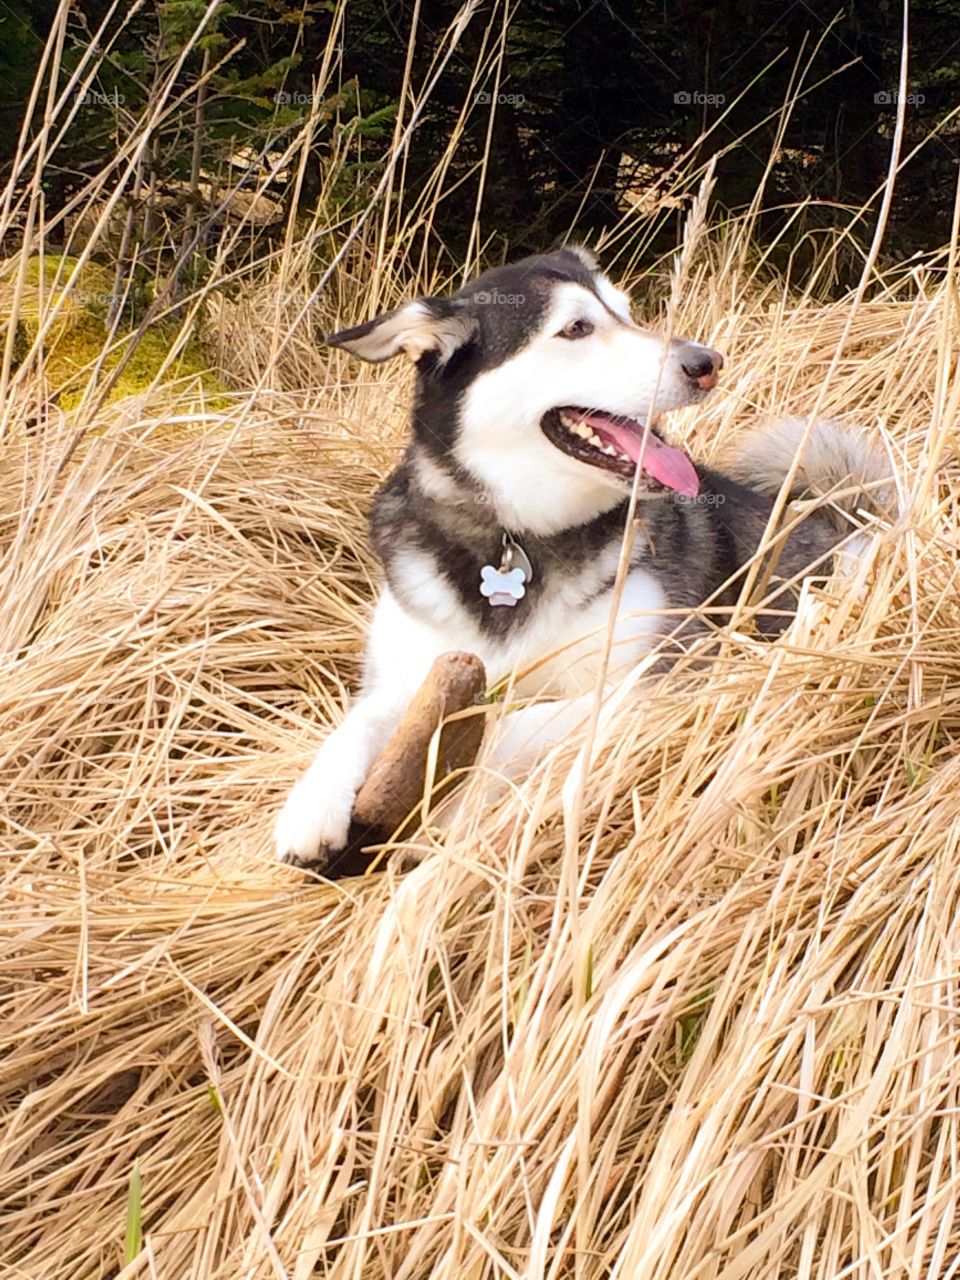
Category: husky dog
<point>538,401</point>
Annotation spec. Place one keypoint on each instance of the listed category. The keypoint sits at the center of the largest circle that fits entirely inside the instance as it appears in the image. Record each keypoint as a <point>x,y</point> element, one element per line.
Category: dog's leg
<point>524,736</point>
<point>315,820</point>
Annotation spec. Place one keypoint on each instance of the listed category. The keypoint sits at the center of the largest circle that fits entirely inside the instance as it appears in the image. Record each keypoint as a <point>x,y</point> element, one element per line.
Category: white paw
<point>313,824</point>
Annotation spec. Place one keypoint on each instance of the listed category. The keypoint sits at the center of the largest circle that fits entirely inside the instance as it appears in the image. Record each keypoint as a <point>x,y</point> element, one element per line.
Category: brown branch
<point>394,786</point>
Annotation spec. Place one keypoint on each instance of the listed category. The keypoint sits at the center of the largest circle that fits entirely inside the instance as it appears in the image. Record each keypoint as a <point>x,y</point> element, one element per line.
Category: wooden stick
<point>394,785</point>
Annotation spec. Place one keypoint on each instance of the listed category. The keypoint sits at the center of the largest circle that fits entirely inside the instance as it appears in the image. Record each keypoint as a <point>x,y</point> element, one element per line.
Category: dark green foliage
<point>586,86</point>
<point>239,89</point>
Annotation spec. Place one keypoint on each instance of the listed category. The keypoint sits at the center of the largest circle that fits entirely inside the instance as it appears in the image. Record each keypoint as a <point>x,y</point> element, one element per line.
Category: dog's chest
<point>557,631</point>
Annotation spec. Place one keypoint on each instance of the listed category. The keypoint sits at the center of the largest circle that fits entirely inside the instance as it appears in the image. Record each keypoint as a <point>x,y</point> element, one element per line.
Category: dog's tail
<point>837,460</point>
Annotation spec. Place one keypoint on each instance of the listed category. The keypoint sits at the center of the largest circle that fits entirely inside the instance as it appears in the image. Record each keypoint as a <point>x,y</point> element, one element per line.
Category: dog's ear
<point>436,325</point>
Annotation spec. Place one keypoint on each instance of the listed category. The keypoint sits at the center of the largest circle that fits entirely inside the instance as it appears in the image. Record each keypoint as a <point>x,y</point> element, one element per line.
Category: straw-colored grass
<point>708,1030</point>
<point>681,1006</point>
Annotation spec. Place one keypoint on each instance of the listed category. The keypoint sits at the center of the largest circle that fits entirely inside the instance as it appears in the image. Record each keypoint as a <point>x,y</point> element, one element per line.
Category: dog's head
<point>534,380</point>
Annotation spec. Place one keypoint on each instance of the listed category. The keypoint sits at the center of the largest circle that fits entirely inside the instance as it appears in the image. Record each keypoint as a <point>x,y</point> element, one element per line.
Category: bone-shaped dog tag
<point>506,585</point>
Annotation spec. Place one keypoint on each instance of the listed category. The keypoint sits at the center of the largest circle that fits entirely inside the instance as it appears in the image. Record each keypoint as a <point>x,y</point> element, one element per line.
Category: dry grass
<point>688,1008</point>
<point>711,1030</point>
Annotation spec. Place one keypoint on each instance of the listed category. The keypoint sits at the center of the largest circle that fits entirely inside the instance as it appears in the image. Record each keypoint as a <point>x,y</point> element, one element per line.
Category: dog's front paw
<point>313,824</point>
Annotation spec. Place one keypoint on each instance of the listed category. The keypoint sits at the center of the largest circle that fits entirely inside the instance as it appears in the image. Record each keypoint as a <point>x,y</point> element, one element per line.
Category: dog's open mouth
<point>613,443</point>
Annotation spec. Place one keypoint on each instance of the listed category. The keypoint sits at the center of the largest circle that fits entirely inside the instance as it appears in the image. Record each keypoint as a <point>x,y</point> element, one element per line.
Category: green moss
<point>45,283</point>
<point>73,344</point>
<point>71,360</point>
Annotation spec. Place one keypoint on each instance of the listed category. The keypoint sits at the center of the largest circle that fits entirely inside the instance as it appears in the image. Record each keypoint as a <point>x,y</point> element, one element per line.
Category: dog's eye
<point>577,329</point>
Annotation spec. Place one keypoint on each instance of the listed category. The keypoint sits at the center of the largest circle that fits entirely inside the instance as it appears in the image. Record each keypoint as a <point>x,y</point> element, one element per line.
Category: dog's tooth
<point>609,449</point>
<point>595,439</point>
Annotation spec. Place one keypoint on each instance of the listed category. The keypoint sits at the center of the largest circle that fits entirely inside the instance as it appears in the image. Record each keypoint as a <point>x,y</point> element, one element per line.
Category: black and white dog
<point>537,400</point>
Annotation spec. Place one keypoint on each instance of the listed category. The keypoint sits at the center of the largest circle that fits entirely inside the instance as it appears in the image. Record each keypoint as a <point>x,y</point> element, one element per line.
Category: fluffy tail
<point>835,458</point>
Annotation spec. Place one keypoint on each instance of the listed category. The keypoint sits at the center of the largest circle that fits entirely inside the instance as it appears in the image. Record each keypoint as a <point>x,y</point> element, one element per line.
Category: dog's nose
<point>701,364</point>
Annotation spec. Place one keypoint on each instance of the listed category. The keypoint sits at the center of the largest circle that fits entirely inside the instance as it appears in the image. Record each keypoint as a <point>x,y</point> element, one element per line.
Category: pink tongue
<point>670,466</point>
